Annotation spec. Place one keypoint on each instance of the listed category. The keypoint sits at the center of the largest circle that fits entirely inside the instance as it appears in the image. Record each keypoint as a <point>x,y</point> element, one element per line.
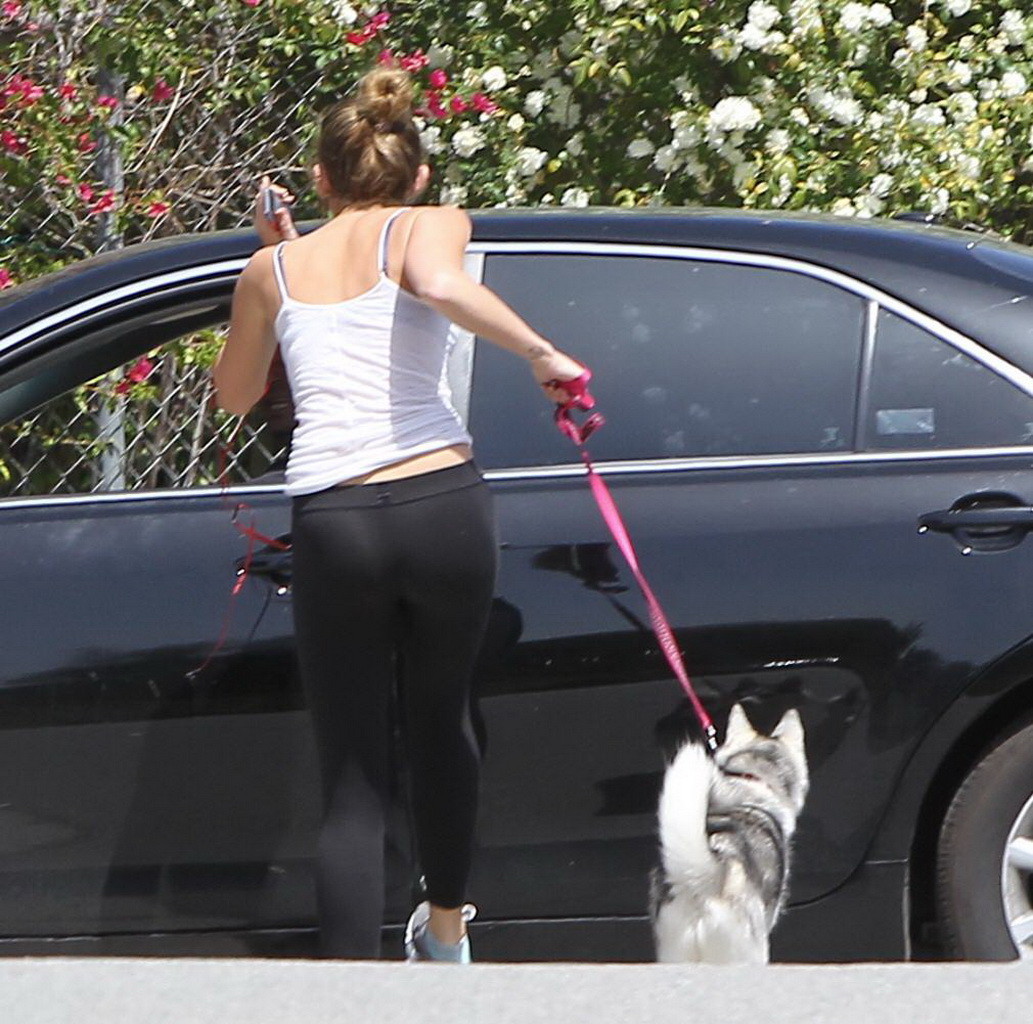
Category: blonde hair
<point>369,147</point>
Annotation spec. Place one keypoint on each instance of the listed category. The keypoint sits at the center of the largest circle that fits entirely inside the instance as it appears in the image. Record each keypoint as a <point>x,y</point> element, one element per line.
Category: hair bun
<point>385,97</point>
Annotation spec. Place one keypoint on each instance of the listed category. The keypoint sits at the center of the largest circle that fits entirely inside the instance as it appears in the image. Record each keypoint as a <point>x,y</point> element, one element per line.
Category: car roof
<point>974,283</point>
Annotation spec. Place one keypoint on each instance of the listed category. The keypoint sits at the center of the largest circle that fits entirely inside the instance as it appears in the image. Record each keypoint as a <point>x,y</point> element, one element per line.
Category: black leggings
<point>392,582</point>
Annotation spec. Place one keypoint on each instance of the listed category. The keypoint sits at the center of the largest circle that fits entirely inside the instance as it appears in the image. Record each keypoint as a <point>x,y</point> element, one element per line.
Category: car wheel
<point>985,857</point>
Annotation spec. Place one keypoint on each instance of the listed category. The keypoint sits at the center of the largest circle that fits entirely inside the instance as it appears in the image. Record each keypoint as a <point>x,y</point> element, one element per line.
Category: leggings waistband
<point>393,492</point>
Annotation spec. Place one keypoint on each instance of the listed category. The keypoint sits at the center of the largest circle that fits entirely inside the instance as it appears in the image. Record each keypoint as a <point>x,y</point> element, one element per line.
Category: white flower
<point>575,145</point>
<point>477,10</point>
<point>763,15</point>
<point>939,201</point>
<point>611,5</point>
<point>534,103</point>
<point>574,197</point>
<point>959,74</point>
<point>467,141</point>
<point>530,160</point>
<point>929,115</point>
<point>881,185</point>
<point>837,106</point>
<point>639,148</point>
<point>989,89</point>
<point>1013,83</point>
<point>800,116</point>
<point>880,15</point>
<point>685,136</point>
<point>515,123</point>
<point>778,142</point>
<point>867,206</point>
<point>970,166</point>
<point>453,195</point>
<point>844,208</point>
<point>853,17</point>
<point>494,79</point>
<point>1013,28</point>
<point>957,8</point>
<point>733,113</point>
<point>430,139</point>
<point>548,199</point>
<point>439,55</point>
<point>665,159</point>
<point>917,38</point>
<point>963,107</point>
<point>344,12</point>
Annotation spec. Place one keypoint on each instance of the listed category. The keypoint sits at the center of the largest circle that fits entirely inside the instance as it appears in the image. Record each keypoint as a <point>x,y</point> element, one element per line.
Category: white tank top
<point>367,376</point>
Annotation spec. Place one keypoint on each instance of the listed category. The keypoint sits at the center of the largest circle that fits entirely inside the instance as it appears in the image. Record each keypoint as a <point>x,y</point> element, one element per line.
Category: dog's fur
<point>725,831</point>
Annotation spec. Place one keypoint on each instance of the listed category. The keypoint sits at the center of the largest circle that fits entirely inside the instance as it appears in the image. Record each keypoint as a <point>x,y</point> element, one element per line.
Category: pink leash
<point>579,397</point>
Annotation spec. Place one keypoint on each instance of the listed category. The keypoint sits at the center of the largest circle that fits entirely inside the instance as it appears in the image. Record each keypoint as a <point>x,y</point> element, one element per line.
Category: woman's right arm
<point>434,273</point>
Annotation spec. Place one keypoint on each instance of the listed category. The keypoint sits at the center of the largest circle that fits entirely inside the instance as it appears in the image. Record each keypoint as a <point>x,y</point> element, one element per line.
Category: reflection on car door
<point>138,794</point>
<point>782,544</point>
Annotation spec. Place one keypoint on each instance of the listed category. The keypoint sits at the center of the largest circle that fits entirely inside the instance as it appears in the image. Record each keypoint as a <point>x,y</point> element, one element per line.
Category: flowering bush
<point>854,107</point>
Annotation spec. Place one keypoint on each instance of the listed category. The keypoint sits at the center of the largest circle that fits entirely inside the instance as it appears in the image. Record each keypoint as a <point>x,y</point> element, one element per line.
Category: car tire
<point>983,899</point>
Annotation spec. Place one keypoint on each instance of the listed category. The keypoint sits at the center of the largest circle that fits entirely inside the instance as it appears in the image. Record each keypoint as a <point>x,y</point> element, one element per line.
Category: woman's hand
<point>282,226</point>
<point>552,366</point>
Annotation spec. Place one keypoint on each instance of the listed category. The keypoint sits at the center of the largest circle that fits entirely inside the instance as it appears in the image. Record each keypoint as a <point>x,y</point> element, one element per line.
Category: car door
<point>772,460</point>
<point>155,765</point>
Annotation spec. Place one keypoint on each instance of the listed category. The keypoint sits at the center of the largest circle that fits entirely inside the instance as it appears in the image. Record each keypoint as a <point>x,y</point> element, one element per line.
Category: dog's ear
<point>790,729</point>
<point>739,731</point>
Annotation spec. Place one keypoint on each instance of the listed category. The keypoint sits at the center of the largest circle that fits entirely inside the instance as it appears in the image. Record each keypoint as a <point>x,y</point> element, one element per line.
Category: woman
<point>393,538</point>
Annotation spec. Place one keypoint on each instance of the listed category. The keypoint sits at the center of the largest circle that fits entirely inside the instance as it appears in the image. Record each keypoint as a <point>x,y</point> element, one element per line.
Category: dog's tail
<point>683,814</point>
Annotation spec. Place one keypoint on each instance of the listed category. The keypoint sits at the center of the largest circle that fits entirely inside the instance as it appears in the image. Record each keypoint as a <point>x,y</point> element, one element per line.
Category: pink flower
<point>11,8</point>
<point>483,103</point>
<point>438,79</point>
<point>105,204</point>
<point>157,209</point>
<point>107,101</point>
<point>386,58</point>
<point>6,281</point>
<point>359,38</point>
<point>380,20</point>
<point>141,369</point>
<point>13,143</point>
<point>84,192</point>
<point>68,92</point>
<point>458,105</point>
<point>434,104</point>
<point>415,61</point>
<point>252,3</point>
<point>85,143</point>
<point>162,91</point>
<point>62,179</point>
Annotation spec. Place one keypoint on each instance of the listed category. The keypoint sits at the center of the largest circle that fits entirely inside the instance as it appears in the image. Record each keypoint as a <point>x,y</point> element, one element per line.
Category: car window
<point>924,393</point>
<point>691,358</point>
<point>145,424</point>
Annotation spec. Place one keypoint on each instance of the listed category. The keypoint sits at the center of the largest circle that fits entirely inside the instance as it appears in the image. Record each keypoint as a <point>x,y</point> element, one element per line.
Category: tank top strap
<point>385,231</point>
<point>281,280</point>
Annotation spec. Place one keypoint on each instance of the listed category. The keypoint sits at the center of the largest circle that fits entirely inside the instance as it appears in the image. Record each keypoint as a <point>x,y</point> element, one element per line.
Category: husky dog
<point>725,830</point>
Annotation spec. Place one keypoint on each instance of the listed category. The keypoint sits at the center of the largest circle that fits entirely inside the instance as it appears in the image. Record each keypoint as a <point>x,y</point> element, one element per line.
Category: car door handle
<point>947,520</point>
<point>271,562</point>
<point>985,521</point>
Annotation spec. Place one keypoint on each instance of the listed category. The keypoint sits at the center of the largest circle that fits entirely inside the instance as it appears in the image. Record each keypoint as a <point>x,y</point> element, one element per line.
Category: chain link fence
<point>161,117</point>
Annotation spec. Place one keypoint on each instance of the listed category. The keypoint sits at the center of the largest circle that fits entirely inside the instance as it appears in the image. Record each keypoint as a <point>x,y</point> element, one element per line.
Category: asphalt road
<point>91,991</point>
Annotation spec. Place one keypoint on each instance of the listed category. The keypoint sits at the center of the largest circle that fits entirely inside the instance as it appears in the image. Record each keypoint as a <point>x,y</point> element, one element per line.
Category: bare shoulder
<point>450,220</point>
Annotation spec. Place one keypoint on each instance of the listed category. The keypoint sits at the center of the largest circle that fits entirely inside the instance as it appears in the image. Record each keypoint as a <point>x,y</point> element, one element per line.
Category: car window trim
<point>949,335</point>
<point>631,467</point>
<point>205,272</point>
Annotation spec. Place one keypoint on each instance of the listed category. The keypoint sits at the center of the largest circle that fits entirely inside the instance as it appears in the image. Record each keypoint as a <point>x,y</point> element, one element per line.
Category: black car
<point>820,433</point>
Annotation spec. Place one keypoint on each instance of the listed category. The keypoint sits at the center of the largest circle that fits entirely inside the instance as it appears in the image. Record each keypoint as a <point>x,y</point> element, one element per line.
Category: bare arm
<point>434,271</point>
<point>242,368</point>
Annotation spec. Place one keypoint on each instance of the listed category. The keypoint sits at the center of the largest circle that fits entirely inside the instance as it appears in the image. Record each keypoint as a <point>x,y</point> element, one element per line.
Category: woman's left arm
<point>241,372</point>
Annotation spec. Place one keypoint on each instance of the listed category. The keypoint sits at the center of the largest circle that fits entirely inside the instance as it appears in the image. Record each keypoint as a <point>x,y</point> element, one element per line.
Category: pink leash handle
<point>581,398</point>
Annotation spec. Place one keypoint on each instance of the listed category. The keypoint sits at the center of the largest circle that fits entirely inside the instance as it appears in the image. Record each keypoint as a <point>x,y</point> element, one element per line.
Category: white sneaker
<point>420,942</point>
